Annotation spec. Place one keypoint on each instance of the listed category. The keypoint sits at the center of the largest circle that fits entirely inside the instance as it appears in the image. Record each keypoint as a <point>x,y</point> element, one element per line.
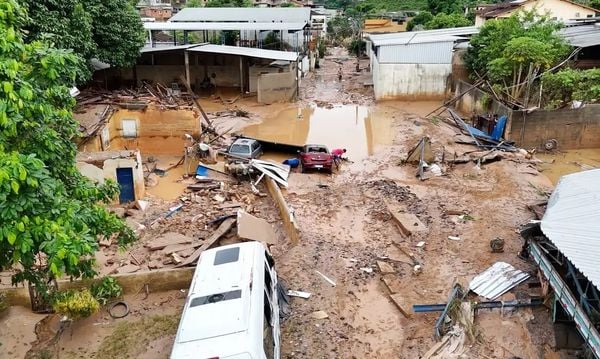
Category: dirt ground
<point>345,229</point>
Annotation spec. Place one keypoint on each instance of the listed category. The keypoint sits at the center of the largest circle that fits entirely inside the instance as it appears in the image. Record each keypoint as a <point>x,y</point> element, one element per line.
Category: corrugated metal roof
<point>572,221</point>
<point>497,280</point>
<point>417,53</point>
<point>222,26</point>
<point>582,36</point>
<point>245,14</point>
<point>247,51</point>
<point>415,39</point>
<point>431,34</point>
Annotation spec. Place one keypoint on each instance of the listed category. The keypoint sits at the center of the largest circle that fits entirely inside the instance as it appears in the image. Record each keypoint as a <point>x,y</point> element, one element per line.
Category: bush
<point>75,304</point>
<point>106,289</point>
<point>357,46</point>
<point>322,49</point>
<point>564,86</point>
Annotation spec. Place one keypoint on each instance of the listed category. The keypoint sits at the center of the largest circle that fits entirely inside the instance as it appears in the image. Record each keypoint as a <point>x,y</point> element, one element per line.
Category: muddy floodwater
<point>567,162</point>
<point>359,129</point>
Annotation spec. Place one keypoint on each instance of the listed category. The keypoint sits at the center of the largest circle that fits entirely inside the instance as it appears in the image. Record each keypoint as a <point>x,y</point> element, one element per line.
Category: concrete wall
<point>476,101</point>
<point>572,128</point>
<point>158,281</point>
<point>255,72</point>
<point>279,87</point>
<point>410,81</point>
<point>100,166</point>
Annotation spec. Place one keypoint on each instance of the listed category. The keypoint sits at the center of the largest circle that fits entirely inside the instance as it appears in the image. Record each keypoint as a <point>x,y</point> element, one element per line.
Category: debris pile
<point>166,97</point>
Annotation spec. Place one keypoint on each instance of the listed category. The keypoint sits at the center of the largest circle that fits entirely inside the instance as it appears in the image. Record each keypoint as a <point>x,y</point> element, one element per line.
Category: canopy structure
<point>572,221</point>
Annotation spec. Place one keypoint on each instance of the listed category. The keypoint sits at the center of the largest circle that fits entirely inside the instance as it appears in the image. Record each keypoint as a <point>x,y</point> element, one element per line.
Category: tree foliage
<point>418,22</point>
<point>50,216</point>
<point>511,50</point>
<point>444,21</point>
<point>564,86</point>
<point>110,30</point>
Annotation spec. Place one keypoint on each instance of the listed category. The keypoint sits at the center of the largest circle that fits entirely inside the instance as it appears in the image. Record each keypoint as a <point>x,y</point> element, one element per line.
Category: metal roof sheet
<point>247,51</point>
<point>244,14</point>
<point>456,31</point>
<point>415,39</point>
<point>497,280</point>
<point>581,36</point>
<point>572,221</point>
<point>222,26</point>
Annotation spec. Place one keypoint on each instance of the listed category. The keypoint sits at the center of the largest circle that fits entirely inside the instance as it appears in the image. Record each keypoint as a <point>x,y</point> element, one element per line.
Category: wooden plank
<point>167,239</point>
<point>385,268</point>
<point>392,283</point>
<point>256,229</point>
<point>399,301</point>
<point>223,228</point>
<point>230,205</point>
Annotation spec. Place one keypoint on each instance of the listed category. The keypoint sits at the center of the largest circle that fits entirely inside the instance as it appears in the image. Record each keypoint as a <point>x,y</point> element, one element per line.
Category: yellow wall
<point>561,10</point>
<point>159,132</point>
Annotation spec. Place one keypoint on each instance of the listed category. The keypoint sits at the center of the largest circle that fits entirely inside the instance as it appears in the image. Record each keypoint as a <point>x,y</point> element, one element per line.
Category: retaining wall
<point>132,283</point>
<point>278,87</point>
<point>571,128</point>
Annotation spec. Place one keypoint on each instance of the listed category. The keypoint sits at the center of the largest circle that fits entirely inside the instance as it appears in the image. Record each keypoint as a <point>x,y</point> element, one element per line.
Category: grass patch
<point>129,339</point>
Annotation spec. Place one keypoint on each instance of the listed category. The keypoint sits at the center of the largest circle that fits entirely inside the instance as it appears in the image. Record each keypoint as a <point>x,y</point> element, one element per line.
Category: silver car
<point>245,148</point>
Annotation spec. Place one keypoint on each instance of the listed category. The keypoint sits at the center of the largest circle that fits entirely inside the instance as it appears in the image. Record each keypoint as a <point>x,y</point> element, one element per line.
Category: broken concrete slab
<point>400,302</point>
<point>172,248</point>
<point>385,268</point>
<point>319,315</point>
<point>223,228</point>
<point>254,228</point>
<point>392,283</point>
<point>169,238</point>
<point>142,205</point>
<point>129,268</point>
<point>407,223</point>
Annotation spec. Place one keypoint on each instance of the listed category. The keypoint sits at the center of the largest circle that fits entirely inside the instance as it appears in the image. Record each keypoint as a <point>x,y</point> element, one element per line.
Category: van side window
<point>268,341</point>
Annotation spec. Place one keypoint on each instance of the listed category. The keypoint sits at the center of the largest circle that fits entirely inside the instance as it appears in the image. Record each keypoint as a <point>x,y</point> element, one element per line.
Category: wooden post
<point>290,224</point>
<point>241,75</point>
<point>187,68</point>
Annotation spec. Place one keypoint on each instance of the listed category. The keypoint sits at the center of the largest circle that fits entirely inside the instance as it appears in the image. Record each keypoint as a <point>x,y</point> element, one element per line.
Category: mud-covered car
<point>244,148</point>
<point>316,158</point>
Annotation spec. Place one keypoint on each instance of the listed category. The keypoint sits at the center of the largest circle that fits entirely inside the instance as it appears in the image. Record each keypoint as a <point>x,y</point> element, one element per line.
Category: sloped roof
<point>440,35</point>
<point>572,221</point>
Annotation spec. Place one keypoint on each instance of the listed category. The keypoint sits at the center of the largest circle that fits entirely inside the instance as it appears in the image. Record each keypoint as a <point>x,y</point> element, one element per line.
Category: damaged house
<point>565,246</point>
<point>127,142</point>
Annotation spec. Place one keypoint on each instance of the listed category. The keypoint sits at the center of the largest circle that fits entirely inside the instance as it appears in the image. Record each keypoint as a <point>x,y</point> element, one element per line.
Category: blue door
<point>125,180</point>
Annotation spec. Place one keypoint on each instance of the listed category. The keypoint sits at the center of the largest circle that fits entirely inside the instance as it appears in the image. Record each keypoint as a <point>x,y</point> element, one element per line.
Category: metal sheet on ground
<point>497,280</point>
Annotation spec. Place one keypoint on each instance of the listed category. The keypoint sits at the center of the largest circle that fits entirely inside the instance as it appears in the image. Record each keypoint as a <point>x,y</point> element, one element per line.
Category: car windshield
<point>316,150</point>
<point>239,149</point>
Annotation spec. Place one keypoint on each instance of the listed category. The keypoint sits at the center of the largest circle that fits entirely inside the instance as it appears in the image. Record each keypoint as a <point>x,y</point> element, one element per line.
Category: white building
<point>414,65</point>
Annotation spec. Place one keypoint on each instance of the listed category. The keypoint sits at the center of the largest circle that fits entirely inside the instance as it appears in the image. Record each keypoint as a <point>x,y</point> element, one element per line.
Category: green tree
<point>65,24</point>
<point>50,215</point>
<point>110,30</point>
<point>513,51</point>
<point>287,4</point>
<point>420,20</point>
<point>444,21</point>
<point>445,6</point>
<point>117,31</point>
<point>193,3</point>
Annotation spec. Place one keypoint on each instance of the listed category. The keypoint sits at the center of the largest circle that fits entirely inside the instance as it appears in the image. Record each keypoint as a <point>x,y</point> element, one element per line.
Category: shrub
<point>75,304</point>
<point>106,289</point>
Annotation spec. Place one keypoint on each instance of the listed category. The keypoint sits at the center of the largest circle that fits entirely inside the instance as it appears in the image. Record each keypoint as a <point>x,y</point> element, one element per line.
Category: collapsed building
<point>564,245</point>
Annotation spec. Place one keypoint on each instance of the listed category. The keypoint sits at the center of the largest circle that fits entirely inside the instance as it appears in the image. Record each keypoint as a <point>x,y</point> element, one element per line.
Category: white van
<point>232,307</point>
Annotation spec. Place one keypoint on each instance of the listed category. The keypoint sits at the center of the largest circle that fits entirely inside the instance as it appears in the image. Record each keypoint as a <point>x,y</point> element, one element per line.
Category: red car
<point>316,157</point>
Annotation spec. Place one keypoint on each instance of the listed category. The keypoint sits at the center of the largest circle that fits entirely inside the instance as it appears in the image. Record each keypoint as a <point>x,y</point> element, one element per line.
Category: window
<point>215,298</point>
<point>577,14</point>
<point>229,255</point>
<point>129,127</point>
<point>105,138</point>
<point>240,149</point>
